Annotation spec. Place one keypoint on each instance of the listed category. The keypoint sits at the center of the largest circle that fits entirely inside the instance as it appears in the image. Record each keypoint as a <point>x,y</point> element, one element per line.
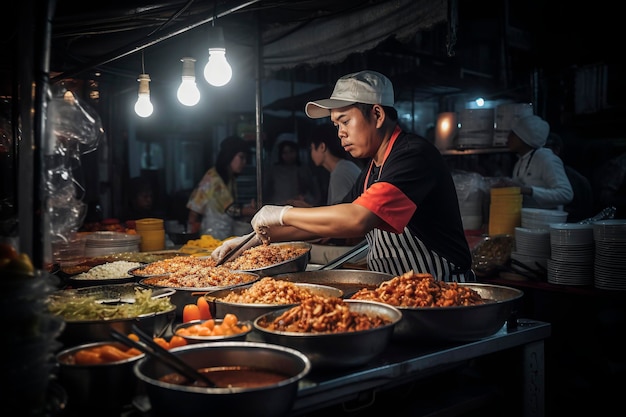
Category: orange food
<point>162,342</point>
<point>209,324</point>
<point>134,352</point>
<point>177,341</point>
<point>230,320</point>
<point>191,312</point>
<point>103,354</point>
<point>203,306</point>
<point>110,353</point>
<point>228,326</point>
<point>87,357</point>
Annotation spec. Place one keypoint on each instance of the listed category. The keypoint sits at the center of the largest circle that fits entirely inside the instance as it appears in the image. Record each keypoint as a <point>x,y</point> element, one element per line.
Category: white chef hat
<point>533,130</point>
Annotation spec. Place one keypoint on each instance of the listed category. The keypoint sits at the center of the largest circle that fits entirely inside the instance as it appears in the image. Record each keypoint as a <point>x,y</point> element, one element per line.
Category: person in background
<point>581,206</point>
<point>213,207</point>
<point>538,171</point>
<point>288,179</point>
<point>326,151</point>
<point>404,200</point>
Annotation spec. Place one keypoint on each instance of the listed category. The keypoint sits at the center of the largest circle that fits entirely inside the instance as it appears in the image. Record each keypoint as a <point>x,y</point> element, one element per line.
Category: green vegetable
<point>72,307</point>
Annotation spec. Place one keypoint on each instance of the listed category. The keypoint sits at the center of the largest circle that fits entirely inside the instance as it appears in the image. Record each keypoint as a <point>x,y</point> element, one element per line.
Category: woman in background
<point>213,208</point>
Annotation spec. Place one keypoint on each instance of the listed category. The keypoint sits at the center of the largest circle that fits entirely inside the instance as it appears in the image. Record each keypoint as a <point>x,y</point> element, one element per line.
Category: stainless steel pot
<point>274,400</point>
<point>459,324</point>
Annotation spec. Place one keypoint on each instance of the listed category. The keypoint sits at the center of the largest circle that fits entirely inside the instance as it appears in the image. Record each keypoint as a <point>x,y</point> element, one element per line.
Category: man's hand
<point>227,246</point>
<point>267,217</point>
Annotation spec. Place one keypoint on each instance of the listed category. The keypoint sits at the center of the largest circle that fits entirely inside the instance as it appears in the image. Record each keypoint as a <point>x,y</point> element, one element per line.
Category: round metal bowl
<point>274,400</point>
<point>250,311</point>
<point>80,283</point>
<point>189,295</point>
<point>347,280</point>
<point>222,338</point>
<point>77,332</point>
<point>336,350</point>
<point>106,387</point>
<point>75,281</point>
<point>459,324</point>
<point>296,264</point>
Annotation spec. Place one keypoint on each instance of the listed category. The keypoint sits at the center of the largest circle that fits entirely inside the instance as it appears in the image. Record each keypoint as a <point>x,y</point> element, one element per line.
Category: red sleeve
<point>386,201</point>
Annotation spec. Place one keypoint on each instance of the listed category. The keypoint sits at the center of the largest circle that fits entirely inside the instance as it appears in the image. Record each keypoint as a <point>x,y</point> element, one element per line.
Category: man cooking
<point>404,200</point>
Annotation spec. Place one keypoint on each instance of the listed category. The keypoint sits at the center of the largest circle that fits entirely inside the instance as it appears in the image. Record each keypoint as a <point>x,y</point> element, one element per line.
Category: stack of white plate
<point>610,254</point>
<point>107,243</point>
<point>532,247</point>
<point>571,254</point>
<point>534,218</point>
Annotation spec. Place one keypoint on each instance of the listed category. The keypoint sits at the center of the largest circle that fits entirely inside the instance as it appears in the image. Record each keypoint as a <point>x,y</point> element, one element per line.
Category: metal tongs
<point>237,250</point>
<point>153,349</point>
<point>353,253</point>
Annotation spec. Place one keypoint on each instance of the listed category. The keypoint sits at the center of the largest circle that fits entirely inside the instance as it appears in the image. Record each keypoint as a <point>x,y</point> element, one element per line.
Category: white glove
<point>269,216</point>
<point>228,245</point>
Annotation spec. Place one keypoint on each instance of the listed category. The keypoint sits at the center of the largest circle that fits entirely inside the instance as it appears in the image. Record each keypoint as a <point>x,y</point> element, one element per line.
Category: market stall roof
<point>102,35</point>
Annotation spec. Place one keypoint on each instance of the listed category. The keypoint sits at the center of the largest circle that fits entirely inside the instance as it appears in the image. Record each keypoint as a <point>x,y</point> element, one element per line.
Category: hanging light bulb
<point>217,71</point>
<point>143,107</point>
<point>188,93</point>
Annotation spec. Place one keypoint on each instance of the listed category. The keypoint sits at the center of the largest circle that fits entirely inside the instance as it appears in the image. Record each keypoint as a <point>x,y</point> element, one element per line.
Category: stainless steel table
<point>404,362</point>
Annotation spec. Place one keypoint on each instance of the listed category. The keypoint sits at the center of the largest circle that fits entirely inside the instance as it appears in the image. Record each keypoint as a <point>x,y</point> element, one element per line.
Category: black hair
<point>327,134</point>
<point>229,147</point>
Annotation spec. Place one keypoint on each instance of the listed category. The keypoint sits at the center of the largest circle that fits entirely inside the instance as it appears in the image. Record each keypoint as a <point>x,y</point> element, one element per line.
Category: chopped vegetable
<point>191,312</point>
<point>203,306</point>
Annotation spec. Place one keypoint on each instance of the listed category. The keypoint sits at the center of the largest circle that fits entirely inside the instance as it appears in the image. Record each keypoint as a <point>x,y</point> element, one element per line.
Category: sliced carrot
<point>191,312</point>
<point>176,341</point>
<point>209,324</point>
<point>87,357</point>
<point>162,342</point>
<point>110,353</point>
<point>205,310</point>
<point>134,352</point>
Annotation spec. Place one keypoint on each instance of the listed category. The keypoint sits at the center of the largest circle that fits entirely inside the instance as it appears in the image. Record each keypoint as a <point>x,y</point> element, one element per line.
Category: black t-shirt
<point>414,188</point>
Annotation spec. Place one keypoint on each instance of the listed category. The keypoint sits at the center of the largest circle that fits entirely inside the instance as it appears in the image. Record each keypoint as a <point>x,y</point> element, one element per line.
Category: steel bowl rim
<point>394,311</point>
<point>233,390</point>
<point>169,293</point>
<point>201,289</point>
<point>76,348</point>
<point>141,316</point>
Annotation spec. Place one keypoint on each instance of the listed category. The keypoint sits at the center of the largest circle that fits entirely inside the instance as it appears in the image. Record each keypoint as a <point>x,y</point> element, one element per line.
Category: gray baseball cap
<point>369,87</point>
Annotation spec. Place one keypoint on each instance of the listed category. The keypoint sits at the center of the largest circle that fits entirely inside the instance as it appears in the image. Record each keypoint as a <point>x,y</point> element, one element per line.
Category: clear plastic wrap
<point>73,128</point>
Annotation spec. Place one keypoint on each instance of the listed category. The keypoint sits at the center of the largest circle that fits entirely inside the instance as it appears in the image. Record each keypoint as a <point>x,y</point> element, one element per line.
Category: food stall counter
<point>404,362</point>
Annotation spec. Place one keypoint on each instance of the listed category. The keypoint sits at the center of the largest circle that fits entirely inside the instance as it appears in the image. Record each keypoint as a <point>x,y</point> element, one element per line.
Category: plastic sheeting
<point>331,40</point>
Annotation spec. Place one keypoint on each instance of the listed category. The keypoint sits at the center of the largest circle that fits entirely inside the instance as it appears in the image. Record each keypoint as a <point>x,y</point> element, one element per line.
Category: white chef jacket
<point>542,170</point>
